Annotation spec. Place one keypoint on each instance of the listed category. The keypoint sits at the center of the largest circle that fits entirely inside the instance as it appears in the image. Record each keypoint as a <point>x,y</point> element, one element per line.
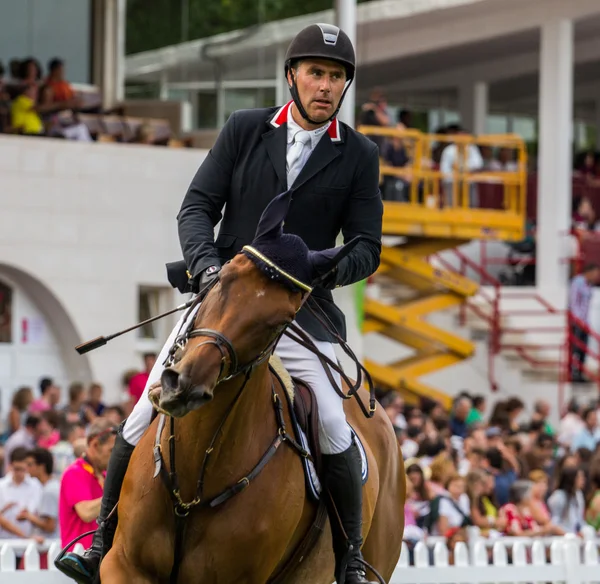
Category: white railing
<point>31,552</point>
<point>568,559</point>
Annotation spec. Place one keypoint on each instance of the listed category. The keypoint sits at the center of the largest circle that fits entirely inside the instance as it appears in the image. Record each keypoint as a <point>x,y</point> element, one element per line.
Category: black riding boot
<point>343,480</point>
<point>83,569</point>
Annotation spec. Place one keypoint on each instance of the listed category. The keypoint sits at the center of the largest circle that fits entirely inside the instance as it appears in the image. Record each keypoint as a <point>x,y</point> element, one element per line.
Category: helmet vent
<point>330,33</point>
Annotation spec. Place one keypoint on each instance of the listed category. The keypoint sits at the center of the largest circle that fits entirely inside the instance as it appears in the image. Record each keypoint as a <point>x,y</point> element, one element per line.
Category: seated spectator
<point>504,470</point>
<point>25,117</point>
<point>82,483</point>
<point>477,411</point>
<point>541,413</point>
<point>62,92</point>
<point>18,492</point>
<point>25,437</point>
<point>454,507</point>
<point>412,532</point>
<point>74,409</point>
<point>482,515</point>
<point>421,496</point>
<point>514,408</point>
<point>589,436</point>
<point>49,398</point>
<point>474,460</point>
<point>63,451</point>
<point>516,512</point>
<point>48,434</point>
<point>115,414</point>
<point>458,419</point>
<point>584,220</point>
<point>571,424</point>
<point>541,455</point>
<point>393,404</point>
<point>30,71</point>
<point>592,511</point>
<point>94,407</point>
<point>442,468</point>
<point>137,383</point>
<point>537,506</point>
<point>21,400</point>
<point>567,503</point>
<point>44,519</point>
<point>410,444</point>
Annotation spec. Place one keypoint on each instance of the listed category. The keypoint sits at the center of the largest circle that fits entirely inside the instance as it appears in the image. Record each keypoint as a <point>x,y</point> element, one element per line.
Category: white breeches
<point>334,433</point>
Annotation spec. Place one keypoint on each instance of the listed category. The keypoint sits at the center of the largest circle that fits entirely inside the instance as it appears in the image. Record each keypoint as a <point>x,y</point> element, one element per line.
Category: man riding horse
<point>333,173</point>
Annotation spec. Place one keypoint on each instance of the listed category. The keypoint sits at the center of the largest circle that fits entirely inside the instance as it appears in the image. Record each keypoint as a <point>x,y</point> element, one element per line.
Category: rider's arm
<point>204,201</point>
<point>87,511</point>
<point>363,217</point>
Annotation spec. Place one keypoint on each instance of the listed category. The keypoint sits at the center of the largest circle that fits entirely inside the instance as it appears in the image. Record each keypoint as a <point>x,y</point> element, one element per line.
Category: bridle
<point>230,363</point>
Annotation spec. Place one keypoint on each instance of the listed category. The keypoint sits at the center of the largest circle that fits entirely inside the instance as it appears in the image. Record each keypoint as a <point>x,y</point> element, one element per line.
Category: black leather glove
<point>328,280</point>
<point>209,275</point>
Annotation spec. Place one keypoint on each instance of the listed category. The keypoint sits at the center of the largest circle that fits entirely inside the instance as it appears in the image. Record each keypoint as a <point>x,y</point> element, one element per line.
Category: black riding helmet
<point>320,41</point>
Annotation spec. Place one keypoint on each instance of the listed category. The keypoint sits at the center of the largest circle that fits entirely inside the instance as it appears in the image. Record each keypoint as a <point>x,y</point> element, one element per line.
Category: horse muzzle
<point>180,395</point>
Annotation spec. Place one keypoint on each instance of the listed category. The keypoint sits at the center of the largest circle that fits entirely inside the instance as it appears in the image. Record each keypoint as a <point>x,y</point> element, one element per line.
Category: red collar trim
<point>281,116</point>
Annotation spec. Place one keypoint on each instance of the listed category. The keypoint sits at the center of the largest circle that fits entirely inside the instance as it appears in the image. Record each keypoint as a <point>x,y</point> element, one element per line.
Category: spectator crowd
<point>503,471</point>
<point>53,457</point>
<point>45,104</point>
<point>506,471</point>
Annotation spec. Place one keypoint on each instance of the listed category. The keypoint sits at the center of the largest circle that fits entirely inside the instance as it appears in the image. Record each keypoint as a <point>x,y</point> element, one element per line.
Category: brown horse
<point>249,538</point>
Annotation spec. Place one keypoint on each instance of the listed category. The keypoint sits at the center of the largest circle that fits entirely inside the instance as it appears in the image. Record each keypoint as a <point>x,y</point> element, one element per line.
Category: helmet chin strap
<point>303,112</point>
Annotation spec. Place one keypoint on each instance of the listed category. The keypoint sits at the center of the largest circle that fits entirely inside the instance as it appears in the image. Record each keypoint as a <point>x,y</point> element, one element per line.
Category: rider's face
<point>320,86</point>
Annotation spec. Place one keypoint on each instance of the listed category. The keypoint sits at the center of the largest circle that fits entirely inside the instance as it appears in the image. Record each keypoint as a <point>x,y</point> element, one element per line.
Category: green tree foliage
<point>152,24</point>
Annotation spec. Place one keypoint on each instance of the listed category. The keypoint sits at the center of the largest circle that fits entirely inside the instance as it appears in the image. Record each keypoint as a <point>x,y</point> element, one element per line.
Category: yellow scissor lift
<point>439,215</point>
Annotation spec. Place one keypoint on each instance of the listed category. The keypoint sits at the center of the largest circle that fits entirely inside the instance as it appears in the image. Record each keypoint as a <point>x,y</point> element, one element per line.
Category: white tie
<point>296,156</point>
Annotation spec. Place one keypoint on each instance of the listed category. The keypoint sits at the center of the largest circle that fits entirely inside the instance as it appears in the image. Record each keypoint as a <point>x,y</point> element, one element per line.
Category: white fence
<point>570,560</point>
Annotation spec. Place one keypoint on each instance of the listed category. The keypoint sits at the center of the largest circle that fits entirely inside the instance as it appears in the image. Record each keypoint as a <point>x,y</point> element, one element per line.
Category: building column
<point>554,154</point>
<point>473,106</point>
<point>345,15</point>
<point>108,70</point>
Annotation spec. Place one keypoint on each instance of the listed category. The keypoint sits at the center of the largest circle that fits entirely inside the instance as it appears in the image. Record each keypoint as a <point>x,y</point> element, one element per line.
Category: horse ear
<point>322,262</point>
<point>271,221</point>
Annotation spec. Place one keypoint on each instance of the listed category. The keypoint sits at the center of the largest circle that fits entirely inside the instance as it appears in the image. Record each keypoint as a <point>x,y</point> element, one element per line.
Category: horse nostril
<point>169,380</point>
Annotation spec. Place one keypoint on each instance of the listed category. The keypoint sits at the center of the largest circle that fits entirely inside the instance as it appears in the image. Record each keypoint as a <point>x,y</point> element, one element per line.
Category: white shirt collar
<point>293,128</point>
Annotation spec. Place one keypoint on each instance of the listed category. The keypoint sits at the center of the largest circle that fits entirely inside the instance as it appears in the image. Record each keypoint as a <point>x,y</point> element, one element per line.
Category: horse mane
<point>277,365</point>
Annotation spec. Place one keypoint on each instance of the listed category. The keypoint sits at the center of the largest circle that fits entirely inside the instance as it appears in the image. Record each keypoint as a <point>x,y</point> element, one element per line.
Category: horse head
<point>237,326</point>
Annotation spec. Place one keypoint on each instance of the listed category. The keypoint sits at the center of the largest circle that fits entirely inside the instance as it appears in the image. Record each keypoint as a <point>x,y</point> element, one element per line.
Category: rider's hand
<point>209,275</point>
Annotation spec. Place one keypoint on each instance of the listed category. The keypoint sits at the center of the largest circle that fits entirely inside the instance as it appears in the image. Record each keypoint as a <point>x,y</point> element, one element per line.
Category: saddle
<point>306,415</point>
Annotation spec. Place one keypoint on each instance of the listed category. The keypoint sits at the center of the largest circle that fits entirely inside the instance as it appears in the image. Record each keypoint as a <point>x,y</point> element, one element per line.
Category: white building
<point>85,231</point>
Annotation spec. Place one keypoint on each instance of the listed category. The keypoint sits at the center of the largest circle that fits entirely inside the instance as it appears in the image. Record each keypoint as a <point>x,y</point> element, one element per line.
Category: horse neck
<point>243,415</point>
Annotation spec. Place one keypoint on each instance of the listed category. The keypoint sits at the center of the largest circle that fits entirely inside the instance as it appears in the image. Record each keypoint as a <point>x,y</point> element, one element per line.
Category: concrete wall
<point>85,225</point>
<point>48,28</point>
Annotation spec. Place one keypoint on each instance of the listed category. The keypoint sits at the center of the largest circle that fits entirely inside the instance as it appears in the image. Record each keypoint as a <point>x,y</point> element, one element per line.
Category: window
<point>5,314</point>
<point>153,301</point>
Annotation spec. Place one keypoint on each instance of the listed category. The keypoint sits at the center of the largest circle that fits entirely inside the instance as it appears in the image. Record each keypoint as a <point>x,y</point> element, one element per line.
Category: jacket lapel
<point>276,145</point>
<point>321,156</point>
